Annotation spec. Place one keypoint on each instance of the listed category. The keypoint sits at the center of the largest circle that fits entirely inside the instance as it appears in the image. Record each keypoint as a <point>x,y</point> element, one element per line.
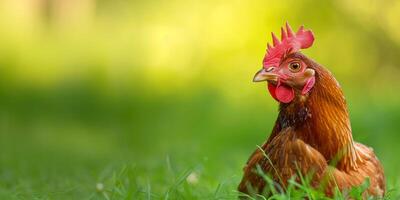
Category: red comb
<point>290,42</point>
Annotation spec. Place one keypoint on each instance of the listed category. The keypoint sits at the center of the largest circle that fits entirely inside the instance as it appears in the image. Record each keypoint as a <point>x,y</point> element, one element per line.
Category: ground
<point>191,147</point>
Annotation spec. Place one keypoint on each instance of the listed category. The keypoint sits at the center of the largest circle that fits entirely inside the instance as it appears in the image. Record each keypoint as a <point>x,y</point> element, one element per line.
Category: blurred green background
<point>126,99</point>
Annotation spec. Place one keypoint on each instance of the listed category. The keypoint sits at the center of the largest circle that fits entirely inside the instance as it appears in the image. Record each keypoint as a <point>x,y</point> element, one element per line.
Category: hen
<point>312,133</point>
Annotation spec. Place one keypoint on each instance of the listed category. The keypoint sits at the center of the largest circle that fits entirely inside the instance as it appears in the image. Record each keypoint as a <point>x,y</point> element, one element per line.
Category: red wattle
<point>284,93</point>
<point>281,93</point>
<point>272,89</point>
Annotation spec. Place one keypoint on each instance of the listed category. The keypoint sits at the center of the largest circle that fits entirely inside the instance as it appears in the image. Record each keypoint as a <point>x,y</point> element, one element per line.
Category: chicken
<point>312,134</point>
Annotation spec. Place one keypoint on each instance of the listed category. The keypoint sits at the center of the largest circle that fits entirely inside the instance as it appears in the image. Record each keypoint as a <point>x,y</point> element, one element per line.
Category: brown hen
<point>312,134</point>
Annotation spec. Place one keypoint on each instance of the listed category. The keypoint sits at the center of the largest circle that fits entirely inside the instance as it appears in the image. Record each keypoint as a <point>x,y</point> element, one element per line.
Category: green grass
<point>77,143</point>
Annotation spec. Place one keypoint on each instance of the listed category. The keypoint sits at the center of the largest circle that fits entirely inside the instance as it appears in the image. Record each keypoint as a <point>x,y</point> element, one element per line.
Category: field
<point>155,100</point>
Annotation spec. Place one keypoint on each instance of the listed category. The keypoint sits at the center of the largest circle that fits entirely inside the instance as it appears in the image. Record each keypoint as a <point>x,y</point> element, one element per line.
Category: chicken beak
<point>263,75</point>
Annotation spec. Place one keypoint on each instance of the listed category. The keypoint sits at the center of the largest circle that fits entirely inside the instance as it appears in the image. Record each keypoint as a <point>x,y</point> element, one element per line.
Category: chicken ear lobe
<point>309,84</point>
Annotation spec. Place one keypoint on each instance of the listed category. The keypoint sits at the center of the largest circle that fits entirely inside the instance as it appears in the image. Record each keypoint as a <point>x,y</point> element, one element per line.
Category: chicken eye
<point>294,66</point>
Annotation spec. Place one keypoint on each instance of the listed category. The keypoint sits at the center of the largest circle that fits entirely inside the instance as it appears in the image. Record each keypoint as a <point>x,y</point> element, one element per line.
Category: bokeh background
<point>127,99</point>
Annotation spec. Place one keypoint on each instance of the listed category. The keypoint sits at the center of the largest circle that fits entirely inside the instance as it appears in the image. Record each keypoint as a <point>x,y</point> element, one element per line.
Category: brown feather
<point>313,134</point>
